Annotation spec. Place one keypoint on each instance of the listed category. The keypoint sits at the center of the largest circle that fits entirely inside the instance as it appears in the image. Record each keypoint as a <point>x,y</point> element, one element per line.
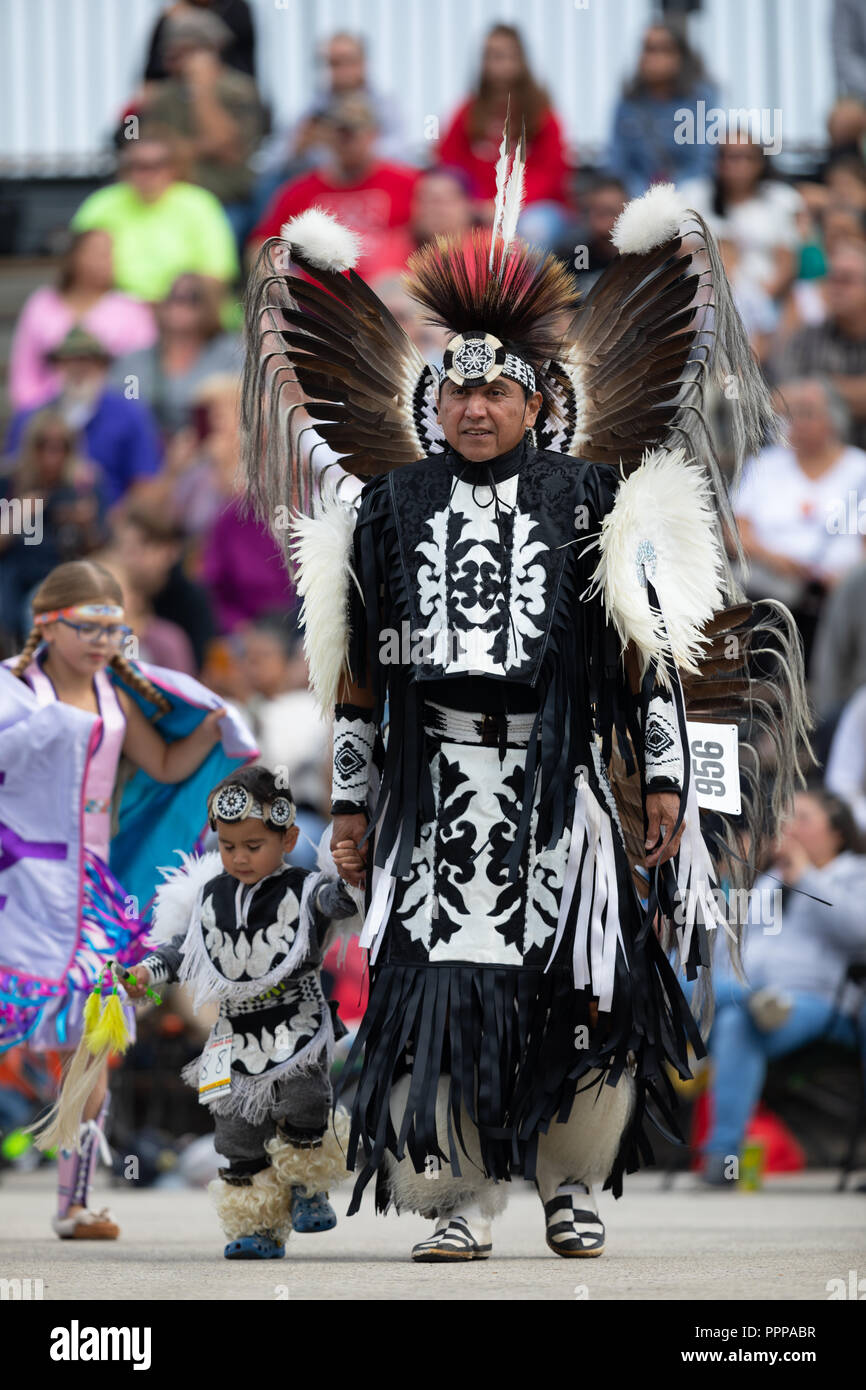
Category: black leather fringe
<point>507,1040</point>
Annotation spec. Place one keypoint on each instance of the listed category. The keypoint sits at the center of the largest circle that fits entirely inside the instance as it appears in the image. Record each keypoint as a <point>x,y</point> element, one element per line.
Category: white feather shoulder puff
<point>322,549</point>
<point>664,515</point>
<point>649,221</point>
<point>322,240</point>
<point>176,897</point>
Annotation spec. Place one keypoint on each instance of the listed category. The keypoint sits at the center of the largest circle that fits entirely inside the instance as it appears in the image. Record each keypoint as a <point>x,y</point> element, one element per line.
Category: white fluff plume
<point>322,550</point>
<point>666,502</point>
<point>322,240</point>
<point>649,221</point>
<point>176,897</point>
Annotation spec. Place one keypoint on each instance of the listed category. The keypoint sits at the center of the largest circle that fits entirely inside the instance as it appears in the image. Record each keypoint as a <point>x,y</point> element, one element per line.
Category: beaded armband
<point>662,749</point>
<point>354,735</point>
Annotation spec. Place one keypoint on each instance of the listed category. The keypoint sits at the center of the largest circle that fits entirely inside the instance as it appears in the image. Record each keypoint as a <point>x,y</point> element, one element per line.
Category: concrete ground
<point>784,1242</point>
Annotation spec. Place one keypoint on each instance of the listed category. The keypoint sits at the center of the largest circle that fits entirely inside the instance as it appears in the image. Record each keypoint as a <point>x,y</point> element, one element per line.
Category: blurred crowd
<point>125,373</point>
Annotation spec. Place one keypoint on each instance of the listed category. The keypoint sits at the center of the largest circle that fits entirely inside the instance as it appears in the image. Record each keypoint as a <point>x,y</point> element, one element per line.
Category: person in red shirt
<point>472,140</point>
<point>442,205</point>
<point>370,196</point>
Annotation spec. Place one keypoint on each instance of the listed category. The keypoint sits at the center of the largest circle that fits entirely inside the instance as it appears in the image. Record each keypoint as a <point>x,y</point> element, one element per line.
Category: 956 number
<point>707,768</point>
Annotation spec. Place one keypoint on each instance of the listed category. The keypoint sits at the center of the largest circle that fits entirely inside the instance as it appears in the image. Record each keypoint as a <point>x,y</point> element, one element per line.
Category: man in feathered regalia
<point>513,627</point>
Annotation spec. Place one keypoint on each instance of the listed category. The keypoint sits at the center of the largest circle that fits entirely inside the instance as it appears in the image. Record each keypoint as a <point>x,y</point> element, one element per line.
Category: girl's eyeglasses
<point>114,633</point>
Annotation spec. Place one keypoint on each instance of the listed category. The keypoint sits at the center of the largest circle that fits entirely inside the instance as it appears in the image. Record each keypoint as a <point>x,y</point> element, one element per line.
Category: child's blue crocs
<point>311,1213</point>
<point>258,1247</point>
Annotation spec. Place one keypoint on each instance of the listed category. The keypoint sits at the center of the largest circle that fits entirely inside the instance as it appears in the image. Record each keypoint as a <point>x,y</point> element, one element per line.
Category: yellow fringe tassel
<point>91,1011</point>
<point>110,1030</point>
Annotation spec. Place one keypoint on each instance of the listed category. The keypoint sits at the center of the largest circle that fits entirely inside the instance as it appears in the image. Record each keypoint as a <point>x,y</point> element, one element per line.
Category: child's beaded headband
<point>80,610</point>
<point>234,803</point>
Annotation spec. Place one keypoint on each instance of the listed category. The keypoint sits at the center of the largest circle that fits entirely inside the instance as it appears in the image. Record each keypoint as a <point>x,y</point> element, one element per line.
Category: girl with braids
<point>70,706</point>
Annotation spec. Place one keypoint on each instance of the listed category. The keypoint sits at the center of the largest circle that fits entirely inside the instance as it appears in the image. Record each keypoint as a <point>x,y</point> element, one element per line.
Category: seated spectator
<point>839,654</point>
<point>796,956</point>
<point>430,340</point>
<point>365,193</point>
<point>120,435</point>
<point>590,250</point>
<point>846,763</point>
<point>240,563</point>
<point>793,504</point>
<point>441,206</point>
<point>846,131</point>
<point>83,295</point>
<point>160,225</point>
<point>806,303</point>
<point>191,348</point>
<point>174,617</point>
<point>290,153</point>
<point>242,568</point>
<point>759,221</point>
<point>201,464</point>
<point>293,736</point>
<point>238,51</point>
<point>836,347</point>
<point>62,521</point>
<point>160,641</point>
<point>836,181</point>
<point>474,135</point>
<point>846,181</point>
<point>214,109</point>
<point>669,80</point>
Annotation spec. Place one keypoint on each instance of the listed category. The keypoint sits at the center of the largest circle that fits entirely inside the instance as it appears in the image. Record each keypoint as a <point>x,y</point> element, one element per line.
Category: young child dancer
<point>70,705</point>
<point>248,929</point>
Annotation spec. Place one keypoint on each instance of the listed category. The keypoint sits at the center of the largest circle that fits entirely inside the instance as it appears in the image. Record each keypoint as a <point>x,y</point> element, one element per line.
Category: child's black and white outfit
<point>257,949</point>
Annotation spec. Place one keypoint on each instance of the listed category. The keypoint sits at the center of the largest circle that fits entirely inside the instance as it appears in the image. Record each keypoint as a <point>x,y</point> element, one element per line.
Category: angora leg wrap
<point>585,1147</point>
<point>438,1191</point>
<point>261,1206</point>
<point>317,1170</point>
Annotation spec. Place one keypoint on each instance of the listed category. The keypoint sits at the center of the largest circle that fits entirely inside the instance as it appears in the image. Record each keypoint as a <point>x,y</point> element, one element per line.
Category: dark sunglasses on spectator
<point>185,297</point>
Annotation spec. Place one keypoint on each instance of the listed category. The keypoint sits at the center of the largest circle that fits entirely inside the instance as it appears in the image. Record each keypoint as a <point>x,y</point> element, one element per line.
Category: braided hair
<point>84,581</point>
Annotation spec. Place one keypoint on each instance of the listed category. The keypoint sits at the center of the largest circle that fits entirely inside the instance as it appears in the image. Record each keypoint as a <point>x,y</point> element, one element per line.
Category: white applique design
<point>527,588</point>
<point>544,885</point>
<point>250,954</point>
<point>257,1052</point>
<point>464,566</point>
<point>418,895</point>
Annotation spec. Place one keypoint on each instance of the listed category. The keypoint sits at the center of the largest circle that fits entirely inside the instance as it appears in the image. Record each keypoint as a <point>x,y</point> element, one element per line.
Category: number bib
<point>715,766</point>
<point>215,1072</point>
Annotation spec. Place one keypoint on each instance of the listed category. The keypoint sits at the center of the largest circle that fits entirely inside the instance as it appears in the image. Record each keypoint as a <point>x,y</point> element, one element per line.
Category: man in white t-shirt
<point>801,507</point>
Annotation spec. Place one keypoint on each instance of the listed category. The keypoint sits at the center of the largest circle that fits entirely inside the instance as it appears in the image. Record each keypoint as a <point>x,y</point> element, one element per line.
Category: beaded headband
<point>234,803</point>
<point>80,610</point>
<point>475,359</point>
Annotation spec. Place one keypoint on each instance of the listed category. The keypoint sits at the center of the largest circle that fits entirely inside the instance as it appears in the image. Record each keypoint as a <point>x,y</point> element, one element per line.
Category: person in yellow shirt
<point>161,226</point>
